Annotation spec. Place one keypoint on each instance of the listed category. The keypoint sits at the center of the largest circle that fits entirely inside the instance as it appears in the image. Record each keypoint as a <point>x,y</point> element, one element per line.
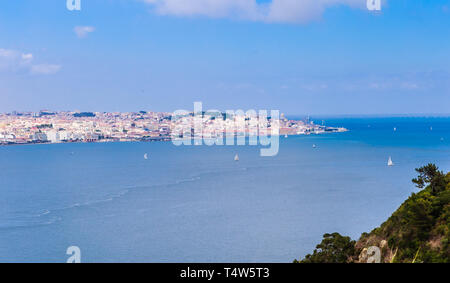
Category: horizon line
<point>340,115</point>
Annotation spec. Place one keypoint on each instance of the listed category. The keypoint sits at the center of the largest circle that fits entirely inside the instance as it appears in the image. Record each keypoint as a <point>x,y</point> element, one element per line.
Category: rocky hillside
<point>418,231</point>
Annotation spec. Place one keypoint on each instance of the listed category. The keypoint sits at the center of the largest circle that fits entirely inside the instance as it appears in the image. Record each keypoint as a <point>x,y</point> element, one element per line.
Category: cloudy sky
<point>298,56</point>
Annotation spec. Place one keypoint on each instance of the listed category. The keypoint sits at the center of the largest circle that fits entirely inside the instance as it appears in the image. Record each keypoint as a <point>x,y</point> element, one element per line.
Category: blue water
<point>196,204</point>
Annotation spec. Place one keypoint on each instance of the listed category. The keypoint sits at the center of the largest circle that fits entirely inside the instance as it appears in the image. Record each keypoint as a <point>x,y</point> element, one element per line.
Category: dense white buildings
<point>56,127</point>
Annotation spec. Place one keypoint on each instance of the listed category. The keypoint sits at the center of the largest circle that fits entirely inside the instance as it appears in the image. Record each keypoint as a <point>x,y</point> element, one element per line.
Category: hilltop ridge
<point>418,231</point>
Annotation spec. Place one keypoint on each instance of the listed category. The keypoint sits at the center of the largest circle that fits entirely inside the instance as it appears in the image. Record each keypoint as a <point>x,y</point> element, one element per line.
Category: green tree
<point>418,231</point>
<point>334,248</point>
<point>431,175</point>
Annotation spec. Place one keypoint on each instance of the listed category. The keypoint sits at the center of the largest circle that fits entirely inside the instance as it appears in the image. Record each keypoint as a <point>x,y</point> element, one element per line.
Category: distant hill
<point>84,114</point>
<point>418,231</point>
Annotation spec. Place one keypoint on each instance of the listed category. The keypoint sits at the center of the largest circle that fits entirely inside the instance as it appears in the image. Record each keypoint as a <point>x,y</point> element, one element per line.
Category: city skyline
<point>183,127</point>
<point>317,57</point>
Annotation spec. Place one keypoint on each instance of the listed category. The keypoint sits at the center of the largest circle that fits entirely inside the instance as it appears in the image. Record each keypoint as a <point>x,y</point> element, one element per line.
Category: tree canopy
<point>418,231</point>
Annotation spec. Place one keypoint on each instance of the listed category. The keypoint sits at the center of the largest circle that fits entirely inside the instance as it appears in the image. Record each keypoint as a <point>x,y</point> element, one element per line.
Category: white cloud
<point>16,61</point>
<point>12,60</point>
<point>27,57</point>
<point>83,31</point>
<point>210,8</point>
<point>292,11</point>
<point>45,69</point>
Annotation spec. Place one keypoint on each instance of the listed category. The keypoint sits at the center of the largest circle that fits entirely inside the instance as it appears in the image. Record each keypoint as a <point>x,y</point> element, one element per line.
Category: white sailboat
<point>285,136</point>
<point>314,145</point>
<point>236,157</point>
<point>390,163</point>
<point>146,156</point>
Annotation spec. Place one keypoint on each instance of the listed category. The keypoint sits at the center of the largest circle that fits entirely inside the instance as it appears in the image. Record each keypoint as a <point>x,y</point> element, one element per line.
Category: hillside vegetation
<point>418,231</point>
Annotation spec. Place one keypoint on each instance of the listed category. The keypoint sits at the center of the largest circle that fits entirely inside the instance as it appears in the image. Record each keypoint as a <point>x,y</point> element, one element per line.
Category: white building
<point>64,135</point>
<point>53,136</point>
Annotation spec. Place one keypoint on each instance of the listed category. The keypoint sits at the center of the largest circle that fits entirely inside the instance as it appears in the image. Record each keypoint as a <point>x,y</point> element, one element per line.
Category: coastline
<point>160,139</point>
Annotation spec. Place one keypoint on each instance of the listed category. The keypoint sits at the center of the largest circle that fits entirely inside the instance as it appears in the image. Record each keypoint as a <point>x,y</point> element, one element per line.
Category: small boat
<point>395,129</point>
<point>314,145</point>
<point>236,157</point>
<point>146,156</point>
<point>431,128</point>
<point>285,136</point>
<point>390,163</point>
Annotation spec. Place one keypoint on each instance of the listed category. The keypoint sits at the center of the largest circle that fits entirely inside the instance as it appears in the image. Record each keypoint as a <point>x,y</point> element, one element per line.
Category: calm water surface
<point>196,204</point>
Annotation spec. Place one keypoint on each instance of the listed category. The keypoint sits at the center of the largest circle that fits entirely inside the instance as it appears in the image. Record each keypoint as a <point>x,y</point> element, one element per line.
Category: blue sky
<point>301,57</point>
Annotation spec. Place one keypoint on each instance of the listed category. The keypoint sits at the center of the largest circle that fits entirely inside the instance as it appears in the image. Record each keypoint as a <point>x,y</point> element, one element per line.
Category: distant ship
<point>314,146</point>
<point>146,156</point>
<point>395,129</point>
<point>390,163</point>
<point>236,157</point>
